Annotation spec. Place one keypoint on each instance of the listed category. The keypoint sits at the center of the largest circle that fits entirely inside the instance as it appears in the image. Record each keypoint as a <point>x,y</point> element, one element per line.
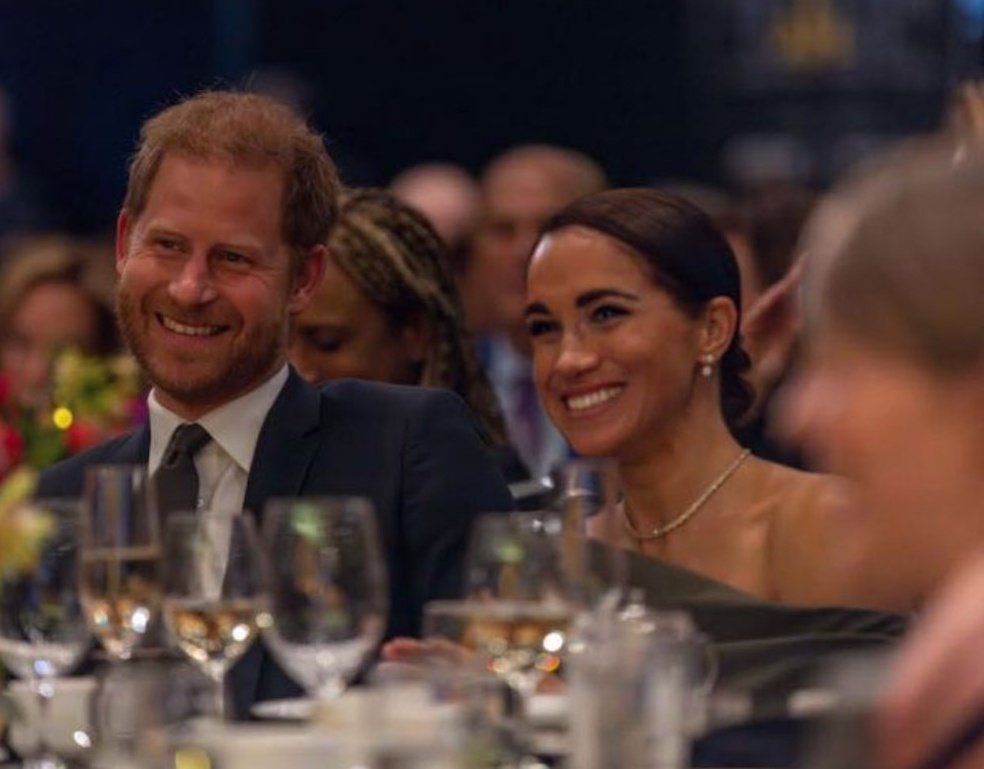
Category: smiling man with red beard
<point>220,241</point>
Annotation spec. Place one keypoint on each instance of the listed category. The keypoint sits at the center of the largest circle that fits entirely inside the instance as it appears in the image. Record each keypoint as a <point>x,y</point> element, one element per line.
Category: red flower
<point>4,390</point>
<point>11,448</point>
<point>82,435</point>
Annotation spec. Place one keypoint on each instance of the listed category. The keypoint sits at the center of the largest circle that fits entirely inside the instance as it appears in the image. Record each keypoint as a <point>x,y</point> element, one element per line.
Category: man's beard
<point>245,365</point>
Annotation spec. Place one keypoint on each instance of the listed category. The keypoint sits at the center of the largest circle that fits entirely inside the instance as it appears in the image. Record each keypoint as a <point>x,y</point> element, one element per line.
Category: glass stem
<point>219,693</point>
<point>523,692</point>
<point>44,691</point>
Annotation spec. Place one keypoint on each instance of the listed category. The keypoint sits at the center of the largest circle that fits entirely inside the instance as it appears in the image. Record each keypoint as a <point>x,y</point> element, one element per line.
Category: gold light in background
<point>814,35</point>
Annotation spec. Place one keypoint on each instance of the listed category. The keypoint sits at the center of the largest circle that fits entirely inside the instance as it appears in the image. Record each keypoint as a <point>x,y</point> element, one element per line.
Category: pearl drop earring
<point>707,369</point>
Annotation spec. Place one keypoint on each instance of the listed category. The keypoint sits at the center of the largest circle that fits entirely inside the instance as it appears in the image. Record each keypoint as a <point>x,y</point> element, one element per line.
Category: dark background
<point>654,89</point>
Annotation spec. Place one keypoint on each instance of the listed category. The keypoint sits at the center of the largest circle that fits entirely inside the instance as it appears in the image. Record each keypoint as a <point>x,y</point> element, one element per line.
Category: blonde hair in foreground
<point>896,256</point>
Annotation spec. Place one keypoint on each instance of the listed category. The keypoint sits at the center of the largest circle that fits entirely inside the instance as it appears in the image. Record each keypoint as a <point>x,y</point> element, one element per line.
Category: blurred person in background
<point>892,396</point>
<point>387,309</point>
<point>633,316</point>
<point>521,189</point>
<point>448,196</point>
<point>54,294</point>
<point>765,233</point>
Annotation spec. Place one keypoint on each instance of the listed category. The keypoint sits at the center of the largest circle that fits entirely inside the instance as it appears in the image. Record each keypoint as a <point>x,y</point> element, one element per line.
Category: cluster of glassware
<point>545,608</point>
<point>536,595</point>
<point>202,582</point>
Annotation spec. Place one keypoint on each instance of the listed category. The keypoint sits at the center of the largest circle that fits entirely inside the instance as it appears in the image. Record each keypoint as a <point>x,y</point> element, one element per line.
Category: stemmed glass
<point>516,609</point>
<point>215,590</point>
<point>120,563</point>
<point>43,632</point>
<point>328,597</point>
<point>585,493</point>
<point>517,596</point>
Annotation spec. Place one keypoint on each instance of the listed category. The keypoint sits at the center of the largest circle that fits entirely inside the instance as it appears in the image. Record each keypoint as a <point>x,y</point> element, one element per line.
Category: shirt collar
<point>235,426</point>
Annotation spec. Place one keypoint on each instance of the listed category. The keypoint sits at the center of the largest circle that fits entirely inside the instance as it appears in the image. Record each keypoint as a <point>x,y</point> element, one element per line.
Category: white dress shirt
<point>224,462</point>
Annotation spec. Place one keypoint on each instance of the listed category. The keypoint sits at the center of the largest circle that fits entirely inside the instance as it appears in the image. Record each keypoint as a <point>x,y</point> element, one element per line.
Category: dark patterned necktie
<point>177,478</point>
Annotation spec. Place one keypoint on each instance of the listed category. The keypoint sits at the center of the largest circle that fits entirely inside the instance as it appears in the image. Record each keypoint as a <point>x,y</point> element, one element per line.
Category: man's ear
<point>415,336</point>
<point>307,277</point>
<point>719,322</point>
<point>122,248</point>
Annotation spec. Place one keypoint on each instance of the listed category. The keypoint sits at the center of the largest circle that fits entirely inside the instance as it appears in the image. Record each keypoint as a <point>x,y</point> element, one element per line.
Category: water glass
<point>43,631</point>
<point>329,589</point>
<point>120,564</point>
<point>437,714</point>
<point>637,679</point>
<point>141,708</point>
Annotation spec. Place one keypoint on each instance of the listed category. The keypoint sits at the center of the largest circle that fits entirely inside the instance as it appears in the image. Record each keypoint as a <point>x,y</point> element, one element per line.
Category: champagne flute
<point>43,632</point>
<point>214,590</point>
<point>585,493</point>
<point>328,597</point>
<point>120,574</point>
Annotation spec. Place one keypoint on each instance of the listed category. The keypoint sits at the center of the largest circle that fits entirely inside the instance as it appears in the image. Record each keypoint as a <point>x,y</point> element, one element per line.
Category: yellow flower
<point>22,526</point>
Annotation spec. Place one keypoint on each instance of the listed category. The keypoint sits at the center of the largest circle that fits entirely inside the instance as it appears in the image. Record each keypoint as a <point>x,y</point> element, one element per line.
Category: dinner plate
<point>544,710</point>
<point>294,709</point>
<point>259,746</point>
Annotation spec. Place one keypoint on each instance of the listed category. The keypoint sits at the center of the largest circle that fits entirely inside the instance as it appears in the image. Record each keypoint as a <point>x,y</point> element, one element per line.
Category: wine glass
<point>517,606</point>
<point>120,559</point>
<point>518,595</point>
<point>43,632</point>
<point>214,590</point>
<point>328,597</point>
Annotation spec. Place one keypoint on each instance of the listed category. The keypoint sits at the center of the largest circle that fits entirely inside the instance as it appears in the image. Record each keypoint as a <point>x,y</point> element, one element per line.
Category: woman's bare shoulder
<point>811,540</point>
<point>791,493</point>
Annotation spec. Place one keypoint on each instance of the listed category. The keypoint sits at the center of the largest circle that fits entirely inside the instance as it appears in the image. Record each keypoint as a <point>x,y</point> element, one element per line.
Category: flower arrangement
<point>90,399</point>
<point>22,530</point>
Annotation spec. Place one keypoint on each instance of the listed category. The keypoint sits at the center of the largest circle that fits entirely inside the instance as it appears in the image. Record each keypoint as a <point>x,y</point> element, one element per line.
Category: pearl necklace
<point>686,515</point>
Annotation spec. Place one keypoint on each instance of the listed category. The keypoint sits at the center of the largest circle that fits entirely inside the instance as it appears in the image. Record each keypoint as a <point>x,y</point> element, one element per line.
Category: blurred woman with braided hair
<point>387,310</point>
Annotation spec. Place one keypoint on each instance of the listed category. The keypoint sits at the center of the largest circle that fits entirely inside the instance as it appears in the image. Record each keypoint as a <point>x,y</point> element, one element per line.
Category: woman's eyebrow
<point>589,297</point>
<point>535,308</point>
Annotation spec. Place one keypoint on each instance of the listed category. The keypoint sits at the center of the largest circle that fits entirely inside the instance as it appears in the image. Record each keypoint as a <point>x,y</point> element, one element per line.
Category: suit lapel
<point>133,449</point>
<point>284,451</point>
<point>286,445</point>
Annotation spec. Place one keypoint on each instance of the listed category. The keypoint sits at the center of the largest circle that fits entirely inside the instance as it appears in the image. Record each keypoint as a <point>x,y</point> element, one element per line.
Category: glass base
<point>45,761</point>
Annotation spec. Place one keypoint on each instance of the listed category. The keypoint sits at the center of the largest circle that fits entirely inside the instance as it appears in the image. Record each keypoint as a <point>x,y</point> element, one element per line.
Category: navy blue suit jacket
<point>415,452</point>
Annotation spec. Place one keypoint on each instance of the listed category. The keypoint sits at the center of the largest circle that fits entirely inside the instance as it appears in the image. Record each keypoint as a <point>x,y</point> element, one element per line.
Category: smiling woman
<point>633,315</point>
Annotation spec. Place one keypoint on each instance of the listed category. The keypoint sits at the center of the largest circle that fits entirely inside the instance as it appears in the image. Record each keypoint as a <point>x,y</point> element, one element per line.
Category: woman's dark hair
<point>685,254</point>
